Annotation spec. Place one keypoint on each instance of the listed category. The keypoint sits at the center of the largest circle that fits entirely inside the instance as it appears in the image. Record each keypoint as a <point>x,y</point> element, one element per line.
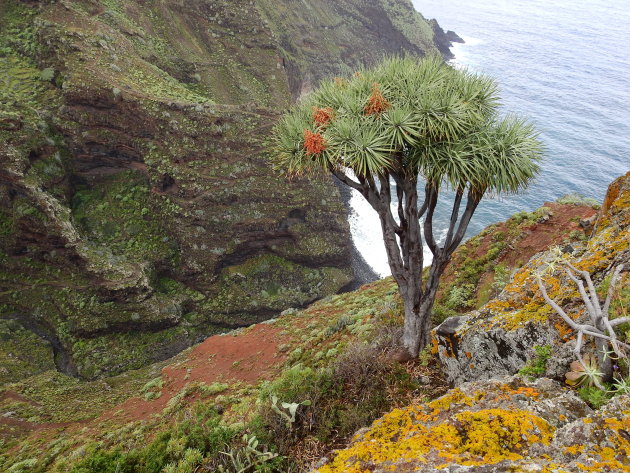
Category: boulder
<point>494,426</point>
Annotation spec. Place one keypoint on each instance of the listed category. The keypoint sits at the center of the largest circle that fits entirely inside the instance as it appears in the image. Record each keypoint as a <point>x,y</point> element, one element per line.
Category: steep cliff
<point>509,327</point>
<point>138,213</point>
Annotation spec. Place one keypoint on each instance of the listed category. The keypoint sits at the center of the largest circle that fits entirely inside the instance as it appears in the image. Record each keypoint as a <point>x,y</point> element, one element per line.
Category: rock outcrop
<point>138,212</point>
<point>494,426</point>
<point>499,338</point>
<point>444,40</point>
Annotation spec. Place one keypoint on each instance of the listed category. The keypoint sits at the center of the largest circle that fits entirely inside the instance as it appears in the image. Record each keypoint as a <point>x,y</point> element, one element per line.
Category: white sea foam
<point>367,236</point>
<point>460,51</point>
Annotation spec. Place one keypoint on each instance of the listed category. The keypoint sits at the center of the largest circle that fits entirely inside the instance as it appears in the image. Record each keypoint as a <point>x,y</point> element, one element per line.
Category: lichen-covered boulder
<point>500,425</point>
<point>598,442</point>
<point>501,337</point>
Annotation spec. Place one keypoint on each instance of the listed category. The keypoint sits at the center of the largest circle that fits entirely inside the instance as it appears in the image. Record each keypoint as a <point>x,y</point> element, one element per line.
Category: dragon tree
<point>401,134</point>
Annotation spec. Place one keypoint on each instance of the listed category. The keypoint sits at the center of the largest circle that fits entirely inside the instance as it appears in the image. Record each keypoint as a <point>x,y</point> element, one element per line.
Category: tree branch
<point>472,201</point>
<point>343,177</point>
<point>454,216</point>
<point>591,288</point>
<point>431,194</point>
<point>385,196</point>
<point>593,314</point>
<point>400,195</point>
<point>619,321</point>
<point>611,289</point>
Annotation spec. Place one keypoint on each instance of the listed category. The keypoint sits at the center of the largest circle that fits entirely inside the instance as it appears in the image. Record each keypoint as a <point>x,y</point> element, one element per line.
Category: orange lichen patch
<point>468,354</point>
<point>483,437</point>
<point>617,199</point>
<point>526,305</point>
<point>604,249</point>
<point>527,391</point>
<point>313,142</point>
<point>564,331</point>
<point>450,343</point>
<point>498,434</point>
<point>599,467</point>
<point>499,305</point>
<point>518,281</point>
<point>434,346</point>
<point>615,455</point>
<point>454,397</point>
<point>322,116</point>
<point>377,103</point>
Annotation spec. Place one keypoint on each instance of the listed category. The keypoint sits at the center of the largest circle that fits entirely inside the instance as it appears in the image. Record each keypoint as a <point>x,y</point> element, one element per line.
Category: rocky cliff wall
<point>138,213</point>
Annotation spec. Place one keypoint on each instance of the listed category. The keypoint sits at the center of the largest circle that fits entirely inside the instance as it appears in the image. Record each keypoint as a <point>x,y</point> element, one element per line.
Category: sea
<point>564,64</point>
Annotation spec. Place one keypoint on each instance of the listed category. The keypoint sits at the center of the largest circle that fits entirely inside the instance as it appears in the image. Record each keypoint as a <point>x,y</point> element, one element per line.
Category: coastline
<point>363,272</point>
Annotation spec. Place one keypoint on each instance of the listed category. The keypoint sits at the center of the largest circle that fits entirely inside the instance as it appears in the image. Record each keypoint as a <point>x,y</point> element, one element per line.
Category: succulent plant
<point>584,372</point>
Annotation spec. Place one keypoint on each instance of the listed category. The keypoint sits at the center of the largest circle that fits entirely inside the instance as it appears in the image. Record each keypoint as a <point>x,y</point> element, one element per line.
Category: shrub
<point>178,449</point>
<point>349,395</point>
<point>502,275</point>
<point>459,296</point>
<point>578,199</point>
<point>594,396</point>
<point>536,367</point>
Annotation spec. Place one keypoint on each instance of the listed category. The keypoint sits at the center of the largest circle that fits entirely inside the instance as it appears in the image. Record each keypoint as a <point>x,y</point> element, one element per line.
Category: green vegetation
<point>134,138</point>
<point>338,378</point>
<point>535,368</point>
<point>333,402</point>
<point>594,396</point>
<point>578,199</point>
<point>120,215</point>
<point>180,448</point>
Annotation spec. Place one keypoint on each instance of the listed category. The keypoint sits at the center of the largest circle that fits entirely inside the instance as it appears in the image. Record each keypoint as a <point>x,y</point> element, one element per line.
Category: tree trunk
<point>418,325</point>
<point>404,246</point>
<point>418,308</point>
<point>604,361</point>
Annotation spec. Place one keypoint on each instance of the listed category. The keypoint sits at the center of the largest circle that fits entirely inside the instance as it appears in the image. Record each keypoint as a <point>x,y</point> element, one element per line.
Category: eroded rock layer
<point>138,212</point>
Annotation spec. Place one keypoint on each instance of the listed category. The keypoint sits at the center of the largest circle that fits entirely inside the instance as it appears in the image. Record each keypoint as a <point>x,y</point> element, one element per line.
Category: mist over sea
<point>563,64</point>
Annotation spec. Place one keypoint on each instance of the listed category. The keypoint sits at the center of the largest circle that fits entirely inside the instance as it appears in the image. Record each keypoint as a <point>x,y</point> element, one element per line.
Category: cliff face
<point>321,38</point>
<point>138,213</point>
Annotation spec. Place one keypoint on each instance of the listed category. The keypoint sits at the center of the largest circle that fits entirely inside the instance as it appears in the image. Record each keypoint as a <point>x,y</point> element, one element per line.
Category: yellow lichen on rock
<point>470,438</point>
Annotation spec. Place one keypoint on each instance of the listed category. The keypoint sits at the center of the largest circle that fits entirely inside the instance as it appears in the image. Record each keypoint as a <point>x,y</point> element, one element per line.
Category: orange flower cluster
<point>323,116</point>
<point>313,142</point>
<point>377,104</point>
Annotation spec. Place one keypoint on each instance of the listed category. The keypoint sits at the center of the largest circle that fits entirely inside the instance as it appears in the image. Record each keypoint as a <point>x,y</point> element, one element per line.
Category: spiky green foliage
<point>442,124</point>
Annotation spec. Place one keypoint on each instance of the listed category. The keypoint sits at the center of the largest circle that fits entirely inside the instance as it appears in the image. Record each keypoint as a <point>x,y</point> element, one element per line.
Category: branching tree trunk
<point>404,242</point>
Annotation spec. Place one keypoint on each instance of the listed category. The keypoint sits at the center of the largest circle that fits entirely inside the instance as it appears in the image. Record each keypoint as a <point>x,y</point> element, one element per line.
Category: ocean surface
<point>564,64</point>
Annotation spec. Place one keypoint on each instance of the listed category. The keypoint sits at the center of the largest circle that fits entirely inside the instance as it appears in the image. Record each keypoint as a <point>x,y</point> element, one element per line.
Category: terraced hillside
<point>138,213</point>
